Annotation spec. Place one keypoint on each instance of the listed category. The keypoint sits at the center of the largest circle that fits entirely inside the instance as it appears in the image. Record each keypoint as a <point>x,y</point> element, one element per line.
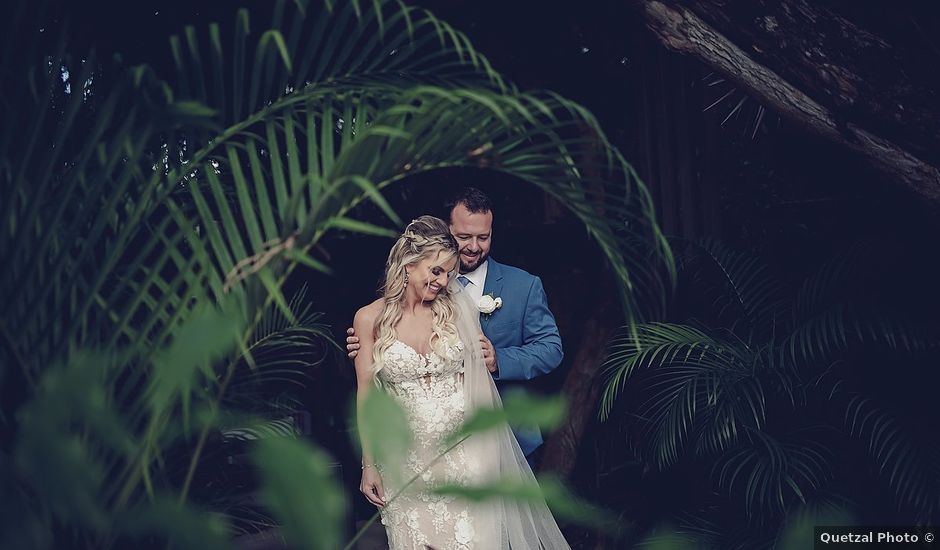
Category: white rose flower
<point>488,304</point>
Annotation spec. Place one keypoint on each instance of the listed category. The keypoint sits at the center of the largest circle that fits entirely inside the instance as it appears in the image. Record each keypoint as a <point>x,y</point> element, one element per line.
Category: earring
<point>406,278</point>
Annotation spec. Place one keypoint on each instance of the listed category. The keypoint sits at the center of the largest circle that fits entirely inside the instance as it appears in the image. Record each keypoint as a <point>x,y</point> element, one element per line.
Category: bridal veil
<point>503,522</point>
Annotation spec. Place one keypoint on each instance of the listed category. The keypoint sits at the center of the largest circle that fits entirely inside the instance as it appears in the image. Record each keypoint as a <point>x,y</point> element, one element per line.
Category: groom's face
<point>473,231</point>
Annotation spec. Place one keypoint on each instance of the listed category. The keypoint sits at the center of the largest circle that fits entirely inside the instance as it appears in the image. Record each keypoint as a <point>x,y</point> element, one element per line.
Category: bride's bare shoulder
<point>369,312</point>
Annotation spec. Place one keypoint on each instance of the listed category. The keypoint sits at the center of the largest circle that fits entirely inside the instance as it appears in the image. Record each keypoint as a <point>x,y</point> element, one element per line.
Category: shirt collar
<point>478,275</point>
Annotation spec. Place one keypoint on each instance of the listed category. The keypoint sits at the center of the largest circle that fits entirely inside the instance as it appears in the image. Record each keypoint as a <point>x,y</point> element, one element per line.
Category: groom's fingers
<point>352,344</point>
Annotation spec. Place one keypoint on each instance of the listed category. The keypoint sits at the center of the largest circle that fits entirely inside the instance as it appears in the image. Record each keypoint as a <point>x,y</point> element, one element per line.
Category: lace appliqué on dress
<point>430,389</point>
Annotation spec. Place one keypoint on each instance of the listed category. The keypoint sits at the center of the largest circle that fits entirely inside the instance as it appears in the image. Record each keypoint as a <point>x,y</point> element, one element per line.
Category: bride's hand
<point>371,486</point>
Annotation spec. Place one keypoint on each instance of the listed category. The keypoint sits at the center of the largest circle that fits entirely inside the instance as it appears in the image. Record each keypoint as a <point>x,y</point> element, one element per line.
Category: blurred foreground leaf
<point>669,538</point>
<point>209,334</point>
<point>518,410</point>
<point>568,506</point>
<point>302,493</point>
<point>19,526</point>
<point>797,532</point>
<point>63,431</point>
<point>182,525</point>
<point>385,431</point>
<point>563,503</point>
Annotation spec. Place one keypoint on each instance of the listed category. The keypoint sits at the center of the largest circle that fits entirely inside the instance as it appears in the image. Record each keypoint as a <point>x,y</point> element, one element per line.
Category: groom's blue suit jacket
<point>524,334</point>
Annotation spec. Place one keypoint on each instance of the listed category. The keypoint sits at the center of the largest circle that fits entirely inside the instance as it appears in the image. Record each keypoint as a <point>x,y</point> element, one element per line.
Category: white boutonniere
<point>488,304</point>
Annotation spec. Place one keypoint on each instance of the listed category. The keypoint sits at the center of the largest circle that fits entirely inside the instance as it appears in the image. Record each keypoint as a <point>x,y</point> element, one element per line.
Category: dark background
<point>768,188</point>
<point>772,188</point>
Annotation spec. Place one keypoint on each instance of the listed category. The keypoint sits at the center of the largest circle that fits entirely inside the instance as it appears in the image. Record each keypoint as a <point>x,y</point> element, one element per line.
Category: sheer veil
<point>504,522</point>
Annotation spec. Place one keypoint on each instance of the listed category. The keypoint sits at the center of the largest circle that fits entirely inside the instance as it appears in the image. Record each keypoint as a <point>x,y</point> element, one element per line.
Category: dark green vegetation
<point>151,221</point>
<point>761,395</point>
<point>161,220</point>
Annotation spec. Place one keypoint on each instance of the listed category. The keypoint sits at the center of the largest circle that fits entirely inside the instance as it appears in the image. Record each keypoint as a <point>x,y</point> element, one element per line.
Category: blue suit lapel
<point>492,286</point>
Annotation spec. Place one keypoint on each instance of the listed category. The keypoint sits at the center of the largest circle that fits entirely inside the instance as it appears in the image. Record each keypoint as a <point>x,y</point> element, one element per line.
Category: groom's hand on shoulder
<point>352,343</point>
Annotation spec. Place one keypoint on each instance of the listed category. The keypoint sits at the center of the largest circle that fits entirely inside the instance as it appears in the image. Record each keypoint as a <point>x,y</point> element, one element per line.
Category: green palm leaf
<point>692,377</point>
<point>213,186</point>
<point>287,165</point>
<point>819,338</point>
<point>747,295</point>
<point>827,286</point>
<point>649,345</point>
<point>770,474</point>
<point>708,390</point>
<point>898,460</point>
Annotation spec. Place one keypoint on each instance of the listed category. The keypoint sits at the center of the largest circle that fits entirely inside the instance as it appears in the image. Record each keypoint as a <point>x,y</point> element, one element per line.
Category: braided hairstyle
<point>422,238</point>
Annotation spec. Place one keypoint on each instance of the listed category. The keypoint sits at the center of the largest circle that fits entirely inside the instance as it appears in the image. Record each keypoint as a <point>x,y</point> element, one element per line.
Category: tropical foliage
<point>151,221</point>
<point>761,397</point>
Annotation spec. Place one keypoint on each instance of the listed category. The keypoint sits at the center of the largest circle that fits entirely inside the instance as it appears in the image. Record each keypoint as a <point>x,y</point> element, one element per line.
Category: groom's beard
<point>469,264</point>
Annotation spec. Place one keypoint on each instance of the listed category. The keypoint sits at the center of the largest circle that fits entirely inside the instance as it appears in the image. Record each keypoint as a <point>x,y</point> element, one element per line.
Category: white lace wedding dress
<point>430,390</point>
<point>438,391</point>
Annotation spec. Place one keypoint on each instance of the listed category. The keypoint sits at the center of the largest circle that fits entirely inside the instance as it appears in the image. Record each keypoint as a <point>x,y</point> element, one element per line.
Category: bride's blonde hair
<point>423,238</point>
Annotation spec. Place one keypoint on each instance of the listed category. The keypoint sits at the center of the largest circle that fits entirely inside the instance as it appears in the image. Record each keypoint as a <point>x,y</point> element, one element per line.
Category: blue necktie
<point>463,280</point>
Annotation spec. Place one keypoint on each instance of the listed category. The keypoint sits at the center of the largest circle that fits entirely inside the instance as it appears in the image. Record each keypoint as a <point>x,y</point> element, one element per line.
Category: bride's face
<point>428,277</point>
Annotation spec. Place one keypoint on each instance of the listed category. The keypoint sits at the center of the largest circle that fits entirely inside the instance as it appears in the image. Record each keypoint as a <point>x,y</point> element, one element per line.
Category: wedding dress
<point>429,389</point>
<point>438,391</point>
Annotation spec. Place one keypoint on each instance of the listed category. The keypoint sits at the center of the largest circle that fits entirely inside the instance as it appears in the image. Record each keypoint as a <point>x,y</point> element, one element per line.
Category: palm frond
<point>692,378</point>
<point>827,286</point>
<point>278,427</point>
<point>654,344</point>
<point>770,474</point>
<point>274,321</point>
<point>285,164</point>
<point>820,338</point>
<point>747,296</point>
<point>715,529</point>
<point>909,473</point>
<point>62,251</point>
<point>741,406</point>
<point>281,360</point>
<point>247,520</point>
<point>213,186</point>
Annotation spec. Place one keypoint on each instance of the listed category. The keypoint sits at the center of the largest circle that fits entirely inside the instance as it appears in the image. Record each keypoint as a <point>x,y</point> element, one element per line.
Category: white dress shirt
<point>477,279</point>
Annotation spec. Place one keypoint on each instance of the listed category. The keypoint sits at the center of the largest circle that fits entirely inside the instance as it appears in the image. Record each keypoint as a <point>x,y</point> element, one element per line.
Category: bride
<point>420,343</point>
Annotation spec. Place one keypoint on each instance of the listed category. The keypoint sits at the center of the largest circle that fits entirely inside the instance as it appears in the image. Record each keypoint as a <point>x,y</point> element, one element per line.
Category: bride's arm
<point>363,323</point>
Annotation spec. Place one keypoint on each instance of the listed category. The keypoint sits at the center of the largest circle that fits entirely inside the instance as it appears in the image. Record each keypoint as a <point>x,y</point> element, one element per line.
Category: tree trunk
<point>582,389</point>
<point>819,71</point>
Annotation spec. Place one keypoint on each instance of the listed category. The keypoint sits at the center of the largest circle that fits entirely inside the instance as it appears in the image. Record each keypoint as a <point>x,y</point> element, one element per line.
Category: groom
<point>520,339</point>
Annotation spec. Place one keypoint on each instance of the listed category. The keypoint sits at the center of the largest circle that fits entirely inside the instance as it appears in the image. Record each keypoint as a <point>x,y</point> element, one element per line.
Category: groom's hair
<point>473,200</point>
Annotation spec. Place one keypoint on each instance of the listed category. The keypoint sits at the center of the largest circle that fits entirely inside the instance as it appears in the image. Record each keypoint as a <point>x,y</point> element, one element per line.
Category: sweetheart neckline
<point>412,348</point>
